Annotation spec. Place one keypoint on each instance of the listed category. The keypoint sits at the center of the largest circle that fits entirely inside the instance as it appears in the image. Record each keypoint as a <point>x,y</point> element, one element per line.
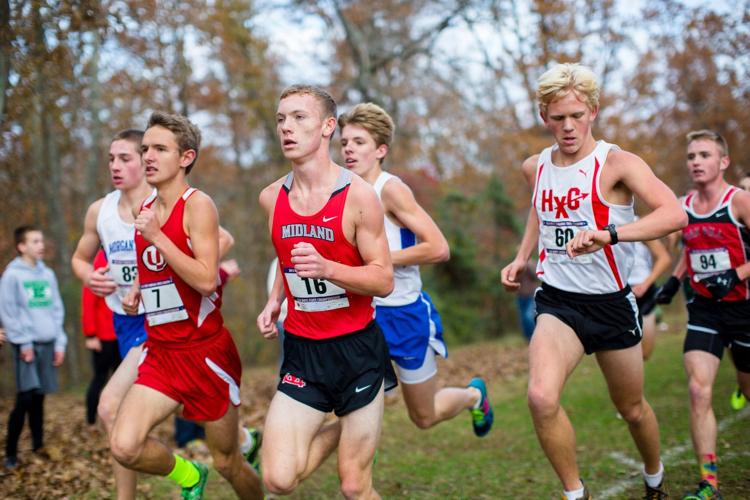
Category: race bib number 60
<point>555,237</point>
<point>314,294</point>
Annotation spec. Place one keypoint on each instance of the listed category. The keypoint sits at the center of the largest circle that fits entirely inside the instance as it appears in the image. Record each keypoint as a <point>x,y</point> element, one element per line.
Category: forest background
<point>458,76</point>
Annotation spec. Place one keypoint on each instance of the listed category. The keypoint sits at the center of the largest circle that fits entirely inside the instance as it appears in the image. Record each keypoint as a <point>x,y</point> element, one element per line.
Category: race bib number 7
<point>162,302</point>
<point>314,294</point>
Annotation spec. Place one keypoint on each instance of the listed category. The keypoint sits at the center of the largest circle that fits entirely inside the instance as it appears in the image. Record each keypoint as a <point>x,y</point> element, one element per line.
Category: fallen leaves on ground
<point>75,461</point>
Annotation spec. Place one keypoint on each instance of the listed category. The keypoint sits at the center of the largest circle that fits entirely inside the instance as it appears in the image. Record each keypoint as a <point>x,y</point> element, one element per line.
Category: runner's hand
<point>667,291</point>
<point>267,320</point>
<point>510,273</point>
<point>721,284</point>
<point>100,282</point>
<point>307,261</point>
<point>147,224</point>
<point>587,242</point>
<point>131,301</point>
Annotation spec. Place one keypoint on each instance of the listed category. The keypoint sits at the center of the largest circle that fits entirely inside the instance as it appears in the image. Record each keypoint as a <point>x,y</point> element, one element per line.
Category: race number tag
<point>162,302</point>
<point>556,234</point>
<point>313,294</point>
<point>711,260</point>
<point>123,272</point>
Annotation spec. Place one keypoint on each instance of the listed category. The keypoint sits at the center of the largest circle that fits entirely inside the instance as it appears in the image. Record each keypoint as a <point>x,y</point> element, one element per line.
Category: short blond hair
<point>709,135</point>
<point>555,83</point>
<point>372,118</point>
<point>327,103</point>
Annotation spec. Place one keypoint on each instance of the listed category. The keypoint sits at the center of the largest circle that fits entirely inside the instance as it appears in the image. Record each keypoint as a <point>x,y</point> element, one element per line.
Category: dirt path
<point>76,463</point>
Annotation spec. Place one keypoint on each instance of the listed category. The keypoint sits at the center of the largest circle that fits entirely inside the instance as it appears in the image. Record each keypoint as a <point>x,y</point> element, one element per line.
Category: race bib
<point>162,302</point>
<point>708,261</point>
<point>314,294</point>
<point>556,234</point>
<point>123,272</point>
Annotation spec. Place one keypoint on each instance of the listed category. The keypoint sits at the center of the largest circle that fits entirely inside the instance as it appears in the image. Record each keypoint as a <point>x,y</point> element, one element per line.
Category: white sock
<point>654,480</point>
<point>247,443</point>
<point>479,401</point>
<point>575,494</point>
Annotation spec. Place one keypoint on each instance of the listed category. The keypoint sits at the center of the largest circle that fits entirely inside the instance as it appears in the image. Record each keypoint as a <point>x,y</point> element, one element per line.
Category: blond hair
<point>187,134</point>
<point>372,118</point>
<point>327,104</point>
<point>557,82</point>
<point>709,135</point>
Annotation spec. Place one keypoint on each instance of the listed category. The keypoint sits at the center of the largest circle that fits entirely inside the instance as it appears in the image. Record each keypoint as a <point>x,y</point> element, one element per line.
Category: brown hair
<point>187,134</point>
<point>19,234</point>
<point>327,104</point>
<point>372,118</point>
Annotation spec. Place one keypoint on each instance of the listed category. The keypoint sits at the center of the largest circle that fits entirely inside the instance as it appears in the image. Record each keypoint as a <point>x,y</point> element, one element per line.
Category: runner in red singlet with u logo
<point>189,359</point>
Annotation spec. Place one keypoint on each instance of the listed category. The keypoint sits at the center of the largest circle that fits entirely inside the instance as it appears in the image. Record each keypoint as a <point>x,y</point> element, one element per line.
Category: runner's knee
<point>542,402</point>
<point>278,483</point>
<point>107,409</point>
<point>125,449</point>
<point>226,464</point>
<point>355,483</point>
<point>421,419</point>
<point>700,393</point>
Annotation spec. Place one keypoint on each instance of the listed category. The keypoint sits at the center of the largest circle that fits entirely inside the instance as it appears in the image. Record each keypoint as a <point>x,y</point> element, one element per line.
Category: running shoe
<point>11,462</point>
<point>586,495</point>
<point>705,491</point>
<point>657,493</point>
<point>253,454</point>
<point>195,492</point>
<point>737,400</point>
<point>482,417</point>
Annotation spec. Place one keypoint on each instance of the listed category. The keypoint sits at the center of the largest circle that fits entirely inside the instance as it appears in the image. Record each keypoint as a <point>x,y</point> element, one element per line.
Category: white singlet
<point>407,282</point>
<point>116,237</point>
<point>568,200</point>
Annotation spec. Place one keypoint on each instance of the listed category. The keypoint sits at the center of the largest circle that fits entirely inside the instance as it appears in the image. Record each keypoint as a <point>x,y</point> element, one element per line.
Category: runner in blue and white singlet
<point>407,316</point>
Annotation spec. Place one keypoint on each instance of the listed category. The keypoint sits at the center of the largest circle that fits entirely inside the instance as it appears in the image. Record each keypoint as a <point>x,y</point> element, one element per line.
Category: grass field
<point>449,462</point>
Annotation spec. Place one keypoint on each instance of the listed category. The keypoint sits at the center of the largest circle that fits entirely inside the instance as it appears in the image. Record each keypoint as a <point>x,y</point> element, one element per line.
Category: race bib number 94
<point>162,302</point>
<point>712,260</point>
<point>314,294</point>
<point>557,234</point>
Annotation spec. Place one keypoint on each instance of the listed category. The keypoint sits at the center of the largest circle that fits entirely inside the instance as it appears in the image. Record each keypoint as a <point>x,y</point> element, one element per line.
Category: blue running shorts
<point>130,331</point>
<point>410,330</point>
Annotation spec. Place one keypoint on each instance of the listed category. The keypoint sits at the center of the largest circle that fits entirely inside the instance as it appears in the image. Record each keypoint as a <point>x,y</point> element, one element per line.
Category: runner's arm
<point>202,227</point>
<point>97,280</point>
<point>431,246</point>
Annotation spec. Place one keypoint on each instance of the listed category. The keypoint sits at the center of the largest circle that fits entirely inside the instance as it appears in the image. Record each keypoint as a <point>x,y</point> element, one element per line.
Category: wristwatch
<point>612,233</point>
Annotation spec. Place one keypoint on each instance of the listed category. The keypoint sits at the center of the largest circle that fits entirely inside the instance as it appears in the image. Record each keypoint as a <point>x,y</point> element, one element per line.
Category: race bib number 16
<point>314,294</point>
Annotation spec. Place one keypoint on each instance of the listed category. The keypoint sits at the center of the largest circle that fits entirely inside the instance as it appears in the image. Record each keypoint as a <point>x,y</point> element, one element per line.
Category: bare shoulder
<point>395,191</point>
<point>268,194</point>
<point>619,158</point>
<point>95,207</point>
<point>528,168</point>
<point>199,202</point>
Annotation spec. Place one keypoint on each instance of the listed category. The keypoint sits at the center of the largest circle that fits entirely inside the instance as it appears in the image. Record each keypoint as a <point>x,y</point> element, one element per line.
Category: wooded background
<point>457,76</point>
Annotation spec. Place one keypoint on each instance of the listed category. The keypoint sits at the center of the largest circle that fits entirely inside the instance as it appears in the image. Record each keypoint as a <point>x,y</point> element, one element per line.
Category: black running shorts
<point>713,325</point>
<point>341,374</point>
<point>602,322</point>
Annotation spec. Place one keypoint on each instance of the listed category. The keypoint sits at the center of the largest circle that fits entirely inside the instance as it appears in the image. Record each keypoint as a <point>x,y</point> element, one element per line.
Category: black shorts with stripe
<point>714,325</point>
<point>602,322</point>
<point>340,374</point>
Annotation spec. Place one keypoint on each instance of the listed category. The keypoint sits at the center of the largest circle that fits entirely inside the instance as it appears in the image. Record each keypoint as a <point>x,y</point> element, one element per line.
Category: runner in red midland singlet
<point>189,359</point>
<point>582,206</point>
<point>327,227</point>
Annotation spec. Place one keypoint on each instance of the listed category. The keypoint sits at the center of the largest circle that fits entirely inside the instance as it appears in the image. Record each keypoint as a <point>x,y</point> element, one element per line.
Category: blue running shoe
<point>482,417</point>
